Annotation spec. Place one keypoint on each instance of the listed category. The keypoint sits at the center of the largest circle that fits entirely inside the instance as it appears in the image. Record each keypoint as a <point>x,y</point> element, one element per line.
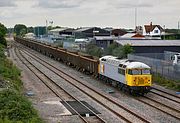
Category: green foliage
<point>30,30</point>
<point>3,31</point>
<point>172,31</point>
<point>16,107</point>
<point>2,56</point>
<point>109,50</point>
<point>126,49</point>
<point>172,84</point>
<point>93,50</point>
<point>9,71</point>
<point>119,51</point>
<point>20,29</point>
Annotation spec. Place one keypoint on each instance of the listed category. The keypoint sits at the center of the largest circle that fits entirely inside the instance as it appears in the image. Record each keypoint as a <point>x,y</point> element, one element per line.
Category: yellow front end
<point>138,80</point>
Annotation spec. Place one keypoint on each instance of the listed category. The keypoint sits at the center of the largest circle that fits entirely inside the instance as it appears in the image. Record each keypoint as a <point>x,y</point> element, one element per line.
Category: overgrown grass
<point>17,108</point>
<point>171,84</point>
<point>14,106</point>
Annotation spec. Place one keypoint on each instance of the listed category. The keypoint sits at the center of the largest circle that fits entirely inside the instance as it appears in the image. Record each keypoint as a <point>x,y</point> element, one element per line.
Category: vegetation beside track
<point>171,84</point>
<point>14,106</point>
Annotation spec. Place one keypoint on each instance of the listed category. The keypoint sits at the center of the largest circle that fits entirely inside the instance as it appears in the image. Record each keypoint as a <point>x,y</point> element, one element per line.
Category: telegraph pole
<point>46,28</point>
<point>135,17</point>
<point>178,27</point>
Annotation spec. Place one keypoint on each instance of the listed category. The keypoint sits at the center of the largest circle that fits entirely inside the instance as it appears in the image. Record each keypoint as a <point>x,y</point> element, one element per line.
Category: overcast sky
<point>79,13</point>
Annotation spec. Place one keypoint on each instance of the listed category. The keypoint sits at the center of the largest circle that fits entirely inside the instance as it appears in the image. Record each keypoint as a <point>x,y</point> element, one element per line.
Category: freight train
<point>132,76</point>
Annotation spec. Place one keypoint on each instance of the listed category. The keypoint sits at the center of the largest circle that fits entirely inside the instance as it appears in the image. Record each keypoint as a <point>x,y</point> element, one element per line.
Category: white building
<point>153,30</point>
<point>30,35</point>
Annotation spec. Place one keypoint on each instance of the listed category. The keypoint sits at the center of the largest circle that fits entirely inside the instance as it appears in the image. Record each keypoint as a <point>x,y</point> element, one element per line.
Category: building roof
<point>149,42</point>
<point>137,35</point>
<point>132,35</point>
<point>105,38</point>
<point>81,40</point>
<point>150,28</point>
<point>83,29</point>
<point>58,29</point>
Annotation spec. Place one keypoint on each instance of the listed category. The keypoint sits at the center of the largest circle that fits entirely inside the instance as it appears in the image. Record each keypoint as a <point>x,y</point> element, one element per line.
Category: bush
<point>118,50</point>
<point>16,107</point>
<point>93,50</point>
<point>10,73</point>
<point>172,84</point>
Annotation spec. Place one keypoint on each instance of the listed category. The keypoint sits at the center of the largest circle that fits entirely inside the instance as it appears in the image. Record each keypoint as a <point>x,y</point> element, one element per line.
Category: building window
<point>156,31</point>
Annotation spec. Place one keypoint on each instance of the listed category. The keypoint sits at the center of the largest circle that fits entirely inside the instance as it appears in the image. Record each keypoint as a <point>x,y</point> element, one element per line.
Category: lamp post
<point>164,31</point>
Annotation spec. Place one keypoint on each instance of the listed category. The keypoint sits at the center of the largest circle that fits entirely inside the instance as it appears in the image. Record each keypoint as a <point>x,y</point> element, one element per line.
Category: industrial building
<point>89,32</point>
<point>152,46</point>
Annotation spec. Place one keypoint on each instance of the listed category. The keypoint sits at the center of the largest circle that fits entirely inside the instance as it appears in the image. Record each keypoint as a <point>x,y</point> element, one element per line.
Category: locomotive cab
<point>138,76</point>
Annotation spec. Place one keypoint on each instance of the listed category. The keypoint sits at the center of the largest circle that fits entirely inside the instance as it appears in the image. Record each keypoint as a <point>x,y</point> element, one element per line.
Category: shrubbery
<point>113,49</point>
<point>172,84</point>
<point>93,50</point>
<point>14,106</point>
<point>118,50</point>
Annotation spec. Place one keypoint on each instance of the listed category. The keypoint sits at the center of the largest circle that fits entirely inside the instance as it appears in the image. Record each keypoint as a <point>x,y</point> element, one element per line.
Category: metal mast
<point>135,18</point>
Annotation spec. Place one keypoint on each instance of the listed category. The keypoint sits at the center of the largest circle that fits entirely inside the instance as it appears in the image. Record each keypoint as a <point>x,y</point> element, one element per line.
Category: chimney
<point>151,25</point>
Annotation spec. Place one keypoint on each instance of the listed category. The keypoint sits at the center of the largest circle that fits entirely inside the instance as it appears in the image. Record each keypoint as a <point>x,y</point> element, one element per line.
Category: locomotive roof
<point>124,63</point>
<point>133,65</point>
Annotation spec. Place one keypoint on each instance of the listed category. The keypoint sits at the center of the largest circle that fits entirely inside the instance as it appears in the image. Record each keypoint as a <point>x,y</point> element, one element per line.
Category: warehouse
<point>152,46</point>
<point>89,32</point>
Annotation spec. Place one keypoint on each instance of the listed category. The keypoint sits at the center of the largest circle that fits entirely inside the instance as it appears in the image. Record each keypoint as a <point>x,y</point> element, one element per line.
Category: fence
<point>160,63</point>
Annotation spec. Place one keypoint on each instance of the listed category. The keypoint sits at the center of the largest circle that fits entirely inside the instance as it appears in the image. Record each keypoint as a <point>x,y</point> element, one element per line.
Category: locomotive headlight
<point>134,81</point>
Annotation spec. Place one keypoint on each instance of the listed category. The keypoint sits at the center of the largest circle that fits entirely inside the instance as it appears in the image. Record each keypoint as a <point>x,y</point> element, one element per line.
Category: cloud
<point>132,4</point>
<point>59,3</point>
<point>7,3</point>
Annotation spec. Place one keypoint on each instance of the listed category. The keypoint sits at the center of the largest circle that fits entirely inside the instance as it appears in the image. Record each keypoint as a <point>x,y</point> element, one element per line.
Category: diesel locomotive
<point>131,76</point>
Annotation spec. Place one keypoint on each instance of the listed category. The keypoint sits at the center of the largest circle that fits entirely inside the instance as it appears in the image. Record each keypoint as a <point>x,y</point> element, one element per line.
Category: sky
<point>90,13</point>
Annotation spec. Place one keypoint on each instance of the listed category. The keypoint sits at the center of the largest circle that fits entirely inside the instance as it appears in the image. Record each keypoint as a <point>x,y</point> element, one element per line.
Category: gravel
<point>156,115</point>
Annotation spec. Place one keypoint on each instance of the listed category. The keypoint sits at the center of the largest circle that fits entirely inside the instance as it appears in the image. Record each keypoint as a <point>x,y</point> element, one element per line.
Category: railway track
<point>101,98</point>
<point>51,85</point>
<point>162,106</point>
<point>165,94</point>
<point>175,113</point>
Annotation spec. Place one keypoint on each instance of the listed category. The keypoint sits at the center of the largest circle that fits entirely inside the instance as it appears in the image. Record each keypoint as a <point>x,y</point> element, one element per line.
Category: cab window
<point>146,71</point>
<point>139,72</point>
<point>136,72</point>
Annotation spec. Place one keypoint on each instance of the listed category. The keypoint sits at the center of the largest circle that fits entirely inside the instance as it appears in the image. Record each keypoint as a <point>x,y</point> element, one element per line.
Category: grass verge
<point>14,106</point>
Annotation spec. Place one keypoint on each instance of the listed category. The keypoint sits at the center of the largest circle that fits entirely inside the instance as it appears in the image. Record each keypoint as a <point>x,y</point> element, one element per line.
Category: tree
<point>20,29</point>
<point>3,31</point>
<point>119,50</point>
<point>94,50</point>
<point>30,29</point>
<point>127,49</point>
<point>110,48</point>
